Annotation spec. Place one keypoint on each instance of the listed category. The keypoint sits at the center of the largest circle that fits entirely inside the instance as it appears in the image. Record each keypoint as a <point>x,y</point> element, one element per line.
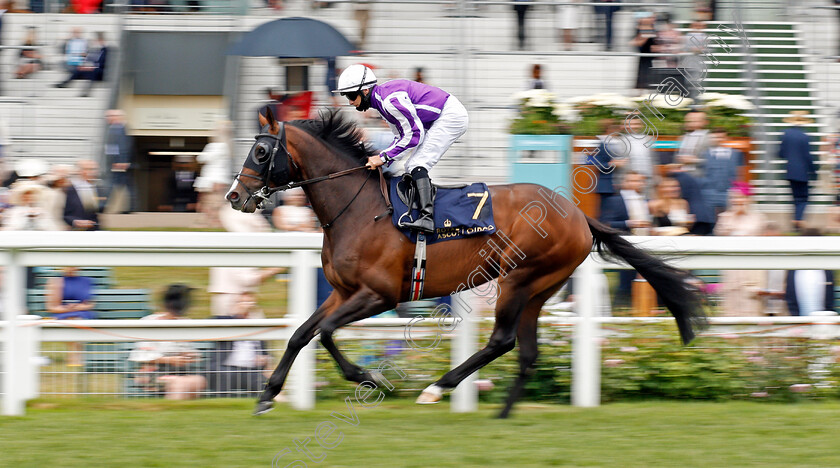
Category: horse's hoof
<point>263,407</point>
<point>431,395</point>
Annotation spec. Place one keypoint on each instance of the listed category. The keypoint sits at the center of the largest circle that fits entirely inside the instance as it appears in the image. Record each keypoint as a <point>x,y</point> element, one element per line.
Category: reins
<point>292,185</point>
<point>265,173</point>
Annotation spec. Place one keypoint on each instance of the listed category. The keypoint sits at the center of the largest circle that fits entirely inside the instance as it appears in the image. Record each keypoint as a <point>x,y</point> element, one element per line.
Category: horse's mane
<point>339,132</point>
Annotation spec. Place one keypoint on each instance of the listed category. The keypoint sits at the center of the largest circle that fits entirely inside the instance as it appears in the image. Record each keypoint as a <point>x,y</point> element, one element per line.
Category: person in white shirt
<point>166,366</point>
<point>694,143</point>
<point>227,284</point>
<point>809,291</point>
<point>216,173</point>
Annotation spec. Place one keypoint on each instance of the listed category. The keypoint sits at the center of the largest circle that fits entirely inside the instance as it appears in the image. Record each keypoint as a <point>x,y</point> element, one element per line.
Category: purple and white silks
<point>410,108</point>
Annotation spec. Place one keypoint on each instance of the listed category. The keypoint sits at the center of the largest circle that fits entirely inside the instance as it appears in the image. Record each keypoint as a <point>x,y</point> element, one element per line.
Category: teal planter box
<point>551,169</point>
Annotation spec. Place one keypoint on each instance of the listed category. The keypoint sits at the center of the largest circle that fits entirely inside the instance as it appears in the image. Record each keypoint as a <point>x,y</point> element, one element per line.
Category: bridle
<point>263,160</point>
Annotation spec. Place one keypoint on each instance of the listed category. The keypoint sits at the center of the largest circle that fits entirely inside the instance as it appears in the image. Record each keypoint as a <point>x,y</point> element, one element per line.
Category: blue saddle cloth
<point>459,212</point>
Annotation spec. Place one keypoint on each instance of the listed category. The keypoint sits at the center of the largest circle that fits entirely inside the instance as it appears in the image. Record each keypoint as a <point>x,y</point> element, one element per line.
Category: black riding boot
<point>426,221</point>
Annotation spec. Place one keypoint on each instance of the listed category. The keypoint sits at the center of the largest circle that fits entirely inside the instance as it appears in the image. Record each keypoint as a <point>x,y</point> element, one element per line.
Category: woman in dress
<point>669,211</point>
<point>741,288</point>
<point>70,297</point>
<point>644,41</point>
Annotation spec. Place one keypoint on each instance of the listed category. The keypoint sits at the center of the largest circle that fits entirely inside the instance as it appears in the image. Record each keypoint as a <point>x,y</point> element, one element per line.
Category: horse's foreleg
<point>502,339</point>
<point>301,337</point>
<point>361,305</point>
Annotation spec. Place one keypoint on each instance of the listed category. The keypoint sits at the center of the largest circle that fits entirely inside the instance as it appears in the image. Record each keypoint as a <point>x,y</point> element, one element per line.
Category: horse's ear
<point>267,118</point>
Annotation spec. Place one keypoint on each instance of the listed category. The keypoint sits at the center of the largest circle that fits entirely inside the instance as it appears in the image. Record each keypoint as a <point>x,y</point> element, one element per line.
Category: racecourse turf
<point>222,433</point>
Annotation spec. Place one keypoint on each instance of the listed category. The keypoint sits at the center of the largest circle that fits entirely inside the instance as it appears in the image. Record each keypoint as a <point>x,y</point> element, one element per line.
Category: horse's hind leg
<point>512,300</point>
<point>301,337</point>
<point>527,338</point>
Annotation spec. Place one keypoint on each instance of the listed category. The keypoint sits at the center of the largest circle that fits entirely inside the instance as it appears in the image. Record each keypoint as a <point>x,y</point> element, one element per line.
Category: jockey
<point>425,121</point>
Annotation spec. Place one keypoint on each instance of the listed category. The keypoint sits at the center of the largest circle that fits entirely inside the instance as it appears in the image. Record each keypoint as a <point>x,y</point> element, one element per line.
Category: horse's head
<point>266,167</point>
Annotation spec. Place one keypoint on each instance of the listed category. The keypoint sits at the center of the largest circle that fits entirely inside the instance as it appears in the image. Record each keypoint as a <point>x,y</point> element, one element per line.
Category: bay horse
<point>368,261</point>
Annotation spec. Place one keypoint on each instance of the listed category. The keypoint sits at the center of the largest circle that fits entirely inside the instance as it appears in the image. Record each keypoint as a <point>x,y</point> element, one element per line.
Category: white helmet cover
<point>356,77</point>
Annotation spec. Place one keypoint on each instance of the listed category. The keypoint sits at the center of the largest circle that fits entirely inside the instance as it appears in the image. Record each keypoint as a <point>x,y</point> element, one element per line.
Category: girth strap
<point>418,271</point>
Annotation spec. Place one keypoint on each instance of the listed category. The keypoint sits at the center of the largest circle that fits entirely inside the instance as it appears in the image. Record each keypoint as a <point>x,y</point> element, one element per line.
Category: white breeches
<point>451,124</point>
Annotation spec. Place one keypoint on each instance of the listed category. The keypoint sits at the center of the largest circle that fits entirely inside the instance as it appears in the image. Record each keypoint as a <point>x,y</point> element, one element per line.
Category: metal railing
<point>299,251</point>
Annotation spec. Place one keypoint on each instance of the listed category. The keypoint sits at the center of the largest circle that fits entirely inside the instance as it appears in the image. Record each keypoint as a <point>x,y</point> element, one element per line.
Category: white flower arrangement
<point>660,102</point>
<point>612,100</point>
<point>731,101</point>
<point>535,98</point>
<point>566,112</point>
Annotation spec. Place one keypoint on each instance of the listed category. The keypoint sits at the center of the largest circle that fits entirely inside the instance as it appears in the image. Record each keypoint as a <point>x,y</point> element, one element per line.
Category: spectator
<point>331,81</point>
<point>704,216</point>
<point>536,81</point>
<point>239,366</point>
<point>696,38</point>
<point>165,366</point>
<point>70,297</point>
<point>93,67</point>
<point>568,17</point>
<point>361,11</point>
<point>668,41</point>
<point>5,146</point>
<point>741,288</point>
<point>216,173</point>
<point>607,10</point>
<point>696,45</point>
<point>181,182</point>
<point>30,59</point>
<point>694,143</point>
<point>773,295</point>
<point>837,10</point>
<point>81,211</point>
<point>119,155</point>
<point>795,148</point>
<point>27,212</point>
<point>418,76</point>
<point>809,291</point>
<point>294,215</point>
<point>521,10</point>
<point>720,166</point>
<point>75,50</point>
<point>640,156</point>
<point>833,145</point>
<point>628,212</point>
<point>607,164</point>
<point>644,40</point>
<point>227,284</point>
<point>669,212</point>
<point>25,168</point>
<point>740,219</point>
<point>55,196</point>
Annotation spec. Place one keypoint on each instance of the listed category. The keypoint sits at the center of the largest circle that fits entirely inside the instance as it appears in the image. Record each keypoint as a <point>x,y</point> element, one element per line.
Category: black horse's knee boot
<point>426,221</point>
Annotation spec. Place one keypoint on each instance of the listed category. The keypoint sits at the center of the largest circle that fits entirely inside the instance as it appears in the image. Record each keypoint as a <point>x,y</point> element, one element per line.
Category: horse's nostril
<point>233,196</point>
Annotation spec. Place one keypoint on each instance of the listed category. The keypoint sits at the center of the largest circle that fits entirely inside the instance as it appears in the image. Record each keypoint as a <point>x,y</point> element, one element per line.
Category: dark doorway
<point>158,158</point>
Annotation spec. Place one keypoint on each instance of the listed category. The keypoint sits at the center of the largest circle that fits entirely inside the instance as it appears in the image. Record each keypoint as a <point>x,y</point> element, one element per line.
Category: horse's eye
<point>261,152</point>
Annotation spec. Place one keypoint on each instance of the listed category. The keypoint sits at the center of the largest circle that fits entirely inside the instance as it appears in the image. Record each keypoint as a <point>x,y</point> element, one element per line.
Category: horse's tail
<point>671,284</point>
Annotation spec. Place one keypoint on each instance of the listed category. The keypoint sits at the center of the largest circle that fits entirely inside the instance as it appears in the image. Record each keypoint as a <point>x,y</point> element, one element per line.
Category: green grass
<point>221,433</point>
<point>271,295</point>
